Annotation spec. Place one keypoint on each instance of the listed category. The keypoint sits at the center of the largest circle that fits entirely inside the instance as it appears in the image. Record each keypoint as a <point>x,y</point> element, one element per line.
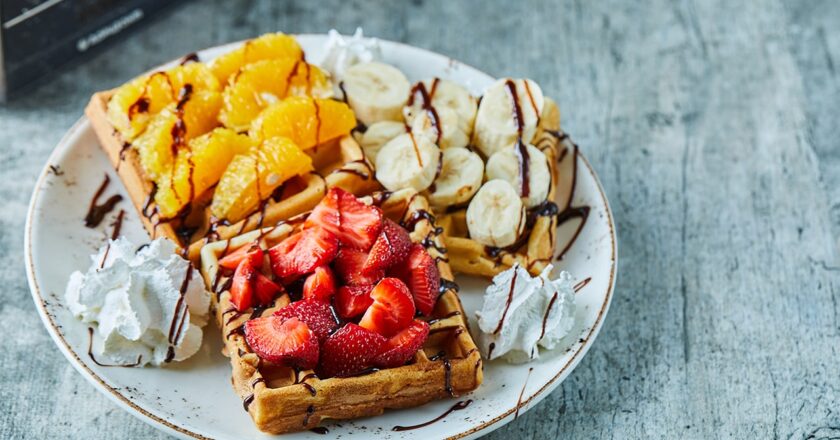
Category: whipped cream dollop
<point>521,312</point>
<point>148,306</point>
<point>344,52</point>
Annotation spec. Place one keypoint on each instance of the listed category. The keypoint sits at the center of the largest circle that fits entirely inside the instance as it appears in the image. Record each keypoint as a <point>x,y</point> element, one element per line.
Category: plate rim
<point>139,412</point>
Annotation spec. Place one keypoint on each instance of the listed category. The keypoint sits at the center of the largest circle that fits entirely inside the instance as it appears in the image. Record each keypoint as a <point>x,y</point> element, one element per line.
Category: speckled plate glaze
<point>194,399</point>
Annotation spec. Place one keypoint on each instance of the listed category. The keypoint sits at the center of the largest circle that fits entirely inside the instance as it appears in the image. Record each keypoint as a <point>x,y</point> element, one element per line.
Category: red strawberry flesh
<point>320,285</point>
<point>348,351</point>
<point>301,253</point>
<point>283,341</point>
<point>265,290</point>
<point>401,347</point>
<point>420,274</point>
<point>392,309</point>
<point>390,248</point>
<point>252,252</point>
<point>318,316</point>
<point>352,301</point>
<point>349,265</point>
<point>242,287</point>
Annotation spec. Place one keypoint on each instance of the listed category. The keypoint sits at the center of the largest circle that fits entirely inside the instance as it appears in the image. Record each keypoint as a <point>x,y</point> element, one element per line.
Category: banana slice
<point>376,92</point>
<point>443,126</point>
<point>377,135</point>
<point>460,177</point>
<point>443,94</point>
<point>496,216</point>
<point>507,164</point>
<point>497,124</point>
<point>408,161</point>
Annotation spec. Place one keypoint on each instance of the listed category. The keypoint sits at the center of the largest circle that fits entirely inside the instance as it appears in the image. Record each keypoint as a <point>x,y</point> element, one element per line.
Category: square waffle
<point>281,399</point>
<point>535,249</point>
<point>340,163</point>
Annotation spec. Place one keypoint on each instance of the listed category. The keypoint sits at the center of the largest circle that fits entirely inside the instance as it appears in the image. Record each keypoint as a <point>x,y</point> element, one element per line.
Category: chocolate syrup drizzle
<point>522,393</point>
<point>569,212</point>
<point>507,304</point>
<point>521,149</point>
<point>114,234</point>
<point>456,407</point>
<point>90,353</point>
<point>582,284</point>
<point>97,212</point>
<point>176,326</point>
<point>427,96</point>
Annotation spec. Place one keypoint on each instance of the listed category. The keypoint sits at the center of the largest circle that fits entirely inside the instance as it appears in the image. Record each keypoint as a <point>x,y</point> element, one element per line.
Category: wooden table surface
<point>715,129</point>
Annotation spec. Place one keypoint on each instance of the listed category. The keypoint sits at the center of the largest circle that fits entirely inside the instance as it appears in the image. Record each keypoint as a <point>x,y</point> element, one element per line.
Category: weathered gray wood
<point>714,128</point>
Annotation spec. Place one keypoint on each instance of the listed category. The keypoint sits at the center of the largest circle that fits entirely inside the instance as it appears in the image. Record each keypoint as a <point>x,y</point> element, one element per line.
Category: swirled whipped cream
<point>522,312</point>
<point>342,53</point>
<point>148,306</point>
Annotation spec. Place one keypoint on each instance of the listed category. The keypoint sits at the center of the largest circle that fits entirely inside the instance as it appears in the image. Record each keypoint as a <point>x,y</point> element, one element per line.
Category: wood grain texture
<point>714,128</point>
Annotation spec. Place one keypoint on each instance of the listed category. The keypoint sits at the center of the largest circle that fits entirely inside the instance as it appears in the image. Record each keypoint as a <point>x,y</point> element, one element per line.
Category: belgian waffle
<point>340,163</point>
<point>280,399</point>
<point>535,249</point>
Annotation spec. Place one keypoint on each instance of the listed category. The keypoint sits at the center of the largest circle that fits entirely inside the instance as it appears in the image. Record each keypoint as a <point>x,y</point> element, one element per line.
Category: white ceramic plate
<point>194,399</point>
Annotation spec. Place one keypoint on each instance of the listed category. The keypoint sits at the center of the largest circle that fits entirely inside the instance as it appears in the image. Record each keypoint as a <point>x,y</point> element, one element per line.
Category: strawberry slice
<point>252,252</point>
<point>420,274</point>
<point>242,287</point>
<point>326,213</point>
<point>265,290</point>
<point>352,301</point>
<point>392,309</point>
<point>348,265</point>
<point>360,223</point>
<point>349,351</point>
<point>320,286</point>
<point>400,348</point>
<point>318,316</point>
<point>390,248</point>
<point>354,223</point>
<point>284,341</point>
<point>301,253</point>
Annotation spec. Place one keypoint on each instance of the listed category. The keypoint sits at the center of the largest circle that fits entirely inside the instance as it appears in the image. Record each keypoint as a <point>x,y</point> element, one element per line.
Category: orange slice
<point>263,83</point>
<point>307,121</point>
<point>135,103</point>
<point>169,131</point>
<point>266,47</point>
<point>198,168</point>
<point>251,178</point>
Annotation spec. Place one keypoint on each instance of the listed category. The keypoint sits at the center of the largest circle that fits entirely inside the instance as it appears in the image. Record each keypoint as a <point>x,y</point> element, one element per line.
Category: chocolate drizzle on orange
<point>189,58</point>
<point>97,212</point>
<point>456,407</point>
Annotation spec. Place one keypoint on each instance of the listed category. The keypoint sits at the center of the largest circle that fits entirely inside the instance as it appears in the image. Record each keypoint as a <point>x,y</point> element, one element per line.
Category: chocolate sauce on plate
<point>97,212</point>
<point>456,407</point>
<point>90,354</point>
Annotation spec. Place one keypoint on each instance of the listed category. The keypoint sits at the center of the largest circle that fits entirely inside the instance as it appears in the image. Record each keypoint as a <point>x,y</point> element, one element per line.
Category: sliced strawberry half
<point>352,301</point>
<point>400,348</point>
<point>242,287</point>
<point>265,290</point>
<point>420,274</point>
<point>283,341</point>
<point>252,252</point>
<point>349,264</point>
<point>392,309</point>
<point>320,286</point>
<point>301,253</point>
<point>360,223</point>
<point>318,316</point>
<point>325,214</point>
<point>390,248</point>
<point>348,351</point>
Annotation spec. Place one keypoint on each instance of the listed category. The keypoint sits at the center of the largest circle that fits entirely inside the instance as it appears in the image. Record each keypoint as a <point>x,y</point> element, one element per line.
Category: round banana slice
<point>498,123</point>
<point>441,125</point>
<point>376,92</point>
<point>460,177</point>
<point>377,135</point>
<point>507,164</point>
<point>408,161</point>
<point>444,94</point>
<point>496,216</point>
